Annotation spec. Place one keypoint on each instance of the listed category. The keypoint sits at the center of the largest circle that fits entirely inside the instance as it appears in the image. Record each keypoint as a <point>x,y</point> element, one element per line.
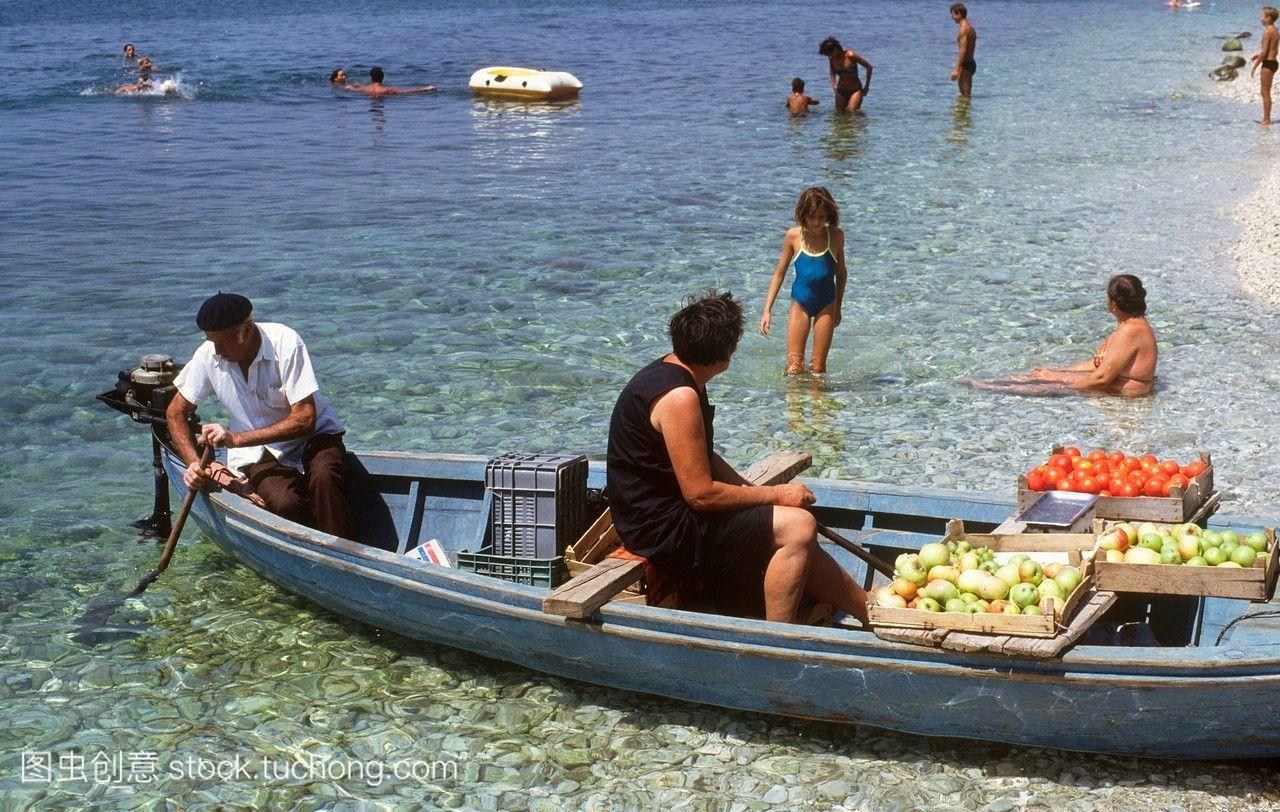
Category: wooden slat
<point>593,589</point>
<point>413,516</point>
<point>983,622</point>
<point>777,468</point>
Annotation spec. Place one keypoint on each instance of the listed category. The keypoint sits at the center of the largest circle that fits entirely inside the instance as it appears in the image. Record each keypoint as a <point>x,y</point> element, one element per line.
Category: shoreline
<point>1256,248</point>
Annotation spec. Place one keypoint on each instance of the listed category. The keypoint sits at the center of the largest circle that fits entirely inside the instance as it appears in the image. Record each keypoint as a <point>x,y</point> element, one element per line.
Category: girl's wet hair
<point>830,46</point>
<point>707,328</point>
<point>1129,295</point>
<point>333,77</point>
<point>817,199</point>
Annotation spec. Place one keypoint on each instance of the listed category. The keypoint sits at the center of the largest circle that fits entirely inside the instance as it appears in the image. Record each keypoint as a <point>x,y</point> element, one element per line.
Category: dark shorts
<point>735,554</point>
<point>969,65</point>
<point>1270,64</point>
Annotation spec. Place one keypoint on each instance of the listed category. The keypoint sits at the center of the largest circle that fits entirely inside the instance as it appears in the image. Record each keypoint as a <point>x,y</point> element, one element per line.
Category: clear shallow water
<point>479,277</point>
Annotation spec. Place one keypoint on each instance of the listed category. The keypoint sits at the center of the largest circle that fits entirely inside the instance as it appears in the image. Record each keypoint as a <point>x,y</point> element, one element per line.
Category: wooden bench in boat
<point>601,573</point>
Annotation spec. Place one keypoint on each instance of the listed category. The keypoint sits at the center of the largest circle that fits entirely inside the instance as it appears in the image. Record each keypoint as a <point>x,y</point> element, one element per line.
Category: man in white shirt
<point>283,436</point>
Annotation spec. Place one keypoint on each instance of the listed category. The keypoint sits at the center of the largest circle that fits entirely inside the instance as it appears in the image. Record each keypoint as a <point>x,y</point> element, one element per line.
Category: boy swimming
<point>798,103</point>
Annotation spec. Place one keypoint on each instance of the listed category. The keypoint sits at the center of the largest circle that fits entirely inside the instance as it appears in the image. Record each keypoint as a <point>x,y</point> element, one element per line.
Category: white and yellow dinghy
<point>524,83</point>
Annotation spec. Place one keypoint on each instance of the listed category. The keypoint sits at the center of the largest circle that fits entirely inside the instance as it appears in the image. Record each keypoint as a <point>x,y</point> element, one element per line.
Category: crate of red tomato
<point>1142,488</point>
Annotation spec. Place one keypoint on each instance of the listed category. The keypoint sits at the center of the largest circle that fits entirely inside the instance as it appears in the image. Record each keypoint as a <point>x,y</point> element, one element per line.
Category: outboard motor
<point>144,394</point>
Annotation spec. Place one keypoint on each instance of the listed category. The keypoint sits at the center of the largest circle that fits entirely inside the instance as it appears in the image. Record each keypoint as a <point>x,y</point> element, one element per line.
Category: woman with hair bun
<point>1124,363</point>
<point>842,67</point>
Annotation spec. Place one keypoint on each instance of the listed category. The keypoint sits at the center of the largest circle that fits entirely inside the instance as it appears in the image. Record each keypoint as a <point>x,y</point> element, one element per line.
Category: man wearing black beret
<point>283,435</point>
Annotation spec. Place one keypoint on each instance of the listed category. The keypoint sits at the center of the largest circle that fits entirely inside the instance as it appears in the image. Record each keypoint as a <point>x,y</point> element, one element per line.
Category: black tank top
<point>649,512</point>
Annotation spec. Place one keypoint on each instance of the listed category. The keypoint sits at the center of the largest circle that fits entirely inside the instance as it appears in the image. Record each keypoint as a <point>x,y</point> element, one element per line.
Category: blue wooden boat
<point>1200,700</point>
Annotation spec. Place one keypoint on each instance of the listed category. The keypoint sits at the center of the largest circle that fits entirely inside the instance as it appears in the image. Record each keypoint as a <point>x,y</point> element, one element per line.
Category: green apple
<point>1231,564</point>
<point>974,609</point>
<point>1214,556</point>
<point>1018,558</point>
<point>1228,547</point>
<point>1169,555</point>
<point>1152,541</point>
<point>955,605</point>
<point>1244,556</point>
<point>1210,538</point>
<point>929,604</point>
<point>1050,589</point>
<point>1030,572</point>
<point>934,555</point>
<point>1068,579</point>
<point>1188,547</point>
<point>1024,594</point>
<point>1257,542</point>
<point>1031,610</point>
<point>1009,574</point>
<point>1198,561</point>
<point>1229,535</point>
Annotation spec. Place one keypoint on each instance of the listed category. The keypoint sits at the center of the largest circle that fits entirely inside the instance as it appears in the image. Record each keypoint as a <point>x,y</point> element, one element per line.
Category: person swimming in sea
<point>1124,364</point>
<point>338,78</point>
<point>842,66</point>
<point>966,41</point>
<point>799,103</point>
<point>130,53</point>
<point>816,244</point>
<point>377,88</point>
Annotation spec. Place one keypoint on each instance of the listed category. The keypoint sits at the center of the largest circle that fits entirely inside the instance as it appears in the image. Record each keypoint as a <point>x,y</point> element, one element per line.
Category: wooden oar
<point>172,543</point>
<point>856,549</point>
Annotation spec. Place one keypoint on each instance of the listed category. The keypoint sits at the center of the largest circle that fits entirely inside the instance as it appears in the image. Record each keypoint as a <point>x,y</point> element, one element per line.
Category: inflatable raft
<point>524,83</point>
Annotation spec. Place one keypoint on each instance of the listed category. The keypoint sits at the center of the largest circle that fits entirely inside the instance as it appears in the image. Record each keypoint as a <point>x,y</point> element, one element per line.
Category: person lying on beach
<point>377,88</point>
<point>842,66</point>
<point>798,103</point>
<point>129,52</point>
<point>1265,58</point>
<point>966,41</point>
<point>338,77</point>
<point>1123,365</point>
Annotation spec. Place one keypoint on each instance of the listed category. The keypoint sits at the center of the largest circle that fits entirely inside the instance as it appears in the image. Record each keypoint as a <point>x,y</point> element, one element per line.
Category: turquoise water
<point>480,277</point>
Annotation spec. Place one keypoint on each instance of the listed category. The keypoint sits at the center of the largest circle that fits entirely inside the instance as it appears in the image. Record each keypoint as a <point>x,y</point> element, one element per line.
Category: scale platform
<point>1057,512</point>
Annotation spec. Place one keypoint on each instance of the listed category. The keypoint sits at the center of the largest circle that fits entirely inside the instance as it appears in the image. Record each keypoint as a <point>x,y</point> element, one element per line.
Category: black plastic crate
<point>539,503</point>
<point>545,572</point>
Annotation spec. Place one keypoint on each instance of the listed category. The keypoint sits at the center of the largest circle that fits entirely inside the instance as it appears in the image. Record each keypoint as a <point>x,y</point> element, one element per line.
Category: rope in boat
<point>1247,616</point>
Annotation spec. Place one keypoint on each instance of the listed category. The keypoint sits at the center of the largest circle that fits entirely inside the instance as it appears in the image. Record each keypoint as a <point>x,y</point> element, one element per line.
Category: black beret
<point>223,310</point>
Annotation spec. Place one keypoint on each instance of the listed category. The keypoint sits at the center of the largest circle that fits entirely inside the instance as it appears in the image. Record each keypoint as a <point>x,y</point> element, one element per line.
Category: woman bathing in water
<point>1124,364</point>
<point>817,246</point>
<point>842,66</point>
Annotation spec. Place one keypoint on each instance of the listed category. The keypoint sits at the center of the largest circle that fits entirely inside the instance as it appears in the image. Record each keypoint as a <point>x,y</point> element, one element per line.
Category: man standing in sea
<point>966,42</point>
<point>283,436</point>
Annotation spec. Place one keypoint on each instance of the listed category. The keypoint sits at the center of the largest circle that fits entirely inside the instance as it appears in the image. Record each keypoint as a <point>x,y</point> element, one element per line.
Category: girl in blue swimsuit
<point>816,245</point>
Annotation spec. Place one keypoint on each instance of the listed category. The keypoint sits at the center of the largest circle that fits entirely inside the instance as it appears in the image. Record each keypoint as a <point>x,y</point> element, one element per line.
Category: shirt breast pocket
<point>268,388</point>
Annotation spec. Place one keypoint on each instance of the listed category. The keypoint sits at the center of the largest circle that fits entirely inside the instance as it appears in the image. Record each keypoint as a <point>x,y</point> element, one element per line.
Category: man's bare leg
<point>795,540</point>
<point>966,83</point>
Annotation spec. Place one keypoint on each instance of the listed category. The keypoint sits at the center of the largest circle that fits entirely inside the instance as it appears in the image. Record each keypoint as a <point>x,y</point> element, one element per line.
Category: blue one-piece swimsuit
<point>815,283</point>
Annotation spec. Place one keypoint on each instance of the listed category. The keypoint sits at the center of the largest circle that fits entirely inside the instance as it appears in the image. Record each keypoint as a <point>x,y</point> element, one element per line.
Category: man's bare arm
<point>300,422</point>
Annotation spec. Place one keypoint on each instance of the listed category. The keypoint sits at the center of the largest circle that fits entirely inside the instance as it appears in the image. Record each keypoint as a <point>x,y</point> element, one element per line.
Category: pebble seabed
<point>231,666</point>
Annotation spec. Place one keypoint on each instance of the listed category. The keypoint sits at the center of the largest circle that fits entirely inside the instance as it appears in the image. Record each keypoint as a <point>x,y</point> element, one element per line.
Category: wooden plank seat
<point>603,569</point>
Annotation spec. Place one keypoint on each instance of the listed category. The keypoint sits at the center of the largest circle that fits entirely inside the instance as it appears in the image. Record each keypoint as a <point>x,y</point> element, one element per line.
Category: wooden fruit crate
<point>1256,583</point>
<point>1046,625</point>
<point>1181,505</point>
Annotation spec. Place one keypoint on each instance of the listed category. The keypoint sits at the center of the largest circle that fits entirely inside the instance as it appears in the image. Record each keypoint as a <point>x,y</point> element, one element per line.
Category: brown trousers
<point>316,498</point>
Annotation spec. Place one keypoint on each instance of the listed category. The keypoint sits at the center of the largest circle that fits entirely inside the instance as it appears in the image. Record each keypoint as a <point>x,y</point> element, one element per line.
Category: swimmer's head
<point>1269,14</point>
<point>797,85</point>
<point>707,330</point>
<point>338,77</point>
<point>959,12</point>
<point>128,50</point>
<point>376,74</point>
<point>144,63</point>
<point>816,208</point>
<point>1126,294</point>
<point>829,47</point>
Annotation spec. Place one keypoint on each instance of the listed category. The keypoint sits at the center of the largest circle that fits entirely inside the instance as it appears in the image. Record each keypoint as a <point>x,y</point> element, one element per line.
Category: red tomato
<point>1035,481</point>
<point>1193,469</point>
<point>1138,478</point>
<point>1115,457</point>
<point>1071,451</point>
<point>1128,489</point>
<point>1150,466</point>
<point>1061,461</point>
<point>1179,481</point>
<point>1166,489</point>
<point>1088,485</point>
<point>1104,493</point>
<point>1132,463</point>
<point>1064,485</point>
<point>1148,458</point>
<point>1169,467</point>
<point>1115,483</point>
<point>1156,486</point>
<point>1096,456</point>
<point>1081,464</point>
<point>1052,476</point>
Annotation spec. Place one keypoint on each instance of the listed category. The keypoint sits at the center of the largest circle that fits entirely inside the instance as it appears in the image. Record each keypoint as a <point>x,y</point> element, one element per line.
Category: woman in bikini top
<point>1124,363</point>
<point>843,67</point>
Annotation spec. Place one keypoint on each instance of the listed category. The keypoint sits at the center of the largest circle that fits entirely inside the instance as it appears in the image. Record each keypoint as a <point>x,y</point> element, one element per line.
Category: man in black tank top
<point>678,504</point>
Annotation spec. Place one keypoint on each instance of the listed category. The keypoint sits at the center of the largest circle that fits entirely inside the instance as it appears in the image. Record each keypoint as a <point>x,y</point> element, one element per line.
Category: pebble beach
<point>479,277</point>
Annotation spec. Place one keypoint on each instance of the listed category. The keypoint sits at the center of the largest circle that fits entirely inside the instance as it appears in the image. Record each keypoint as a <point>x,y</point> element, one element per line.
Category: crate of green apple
<point>957,584</point>
<point>1131,487</point>
<point>1185,559</point>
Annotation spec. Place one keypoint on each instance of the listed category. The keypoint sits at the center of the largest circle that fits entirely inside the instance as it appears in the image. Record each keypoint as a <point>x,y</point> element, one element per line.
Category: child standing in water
<point>1265,58</point>
<point>816,245</point>
<point>798,102</point>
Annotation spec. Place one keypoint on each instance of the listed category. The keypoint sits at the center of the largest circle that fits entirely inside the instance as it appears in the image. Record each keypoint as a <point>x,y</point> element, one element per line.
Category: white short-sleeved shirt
<point>279,377</point>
